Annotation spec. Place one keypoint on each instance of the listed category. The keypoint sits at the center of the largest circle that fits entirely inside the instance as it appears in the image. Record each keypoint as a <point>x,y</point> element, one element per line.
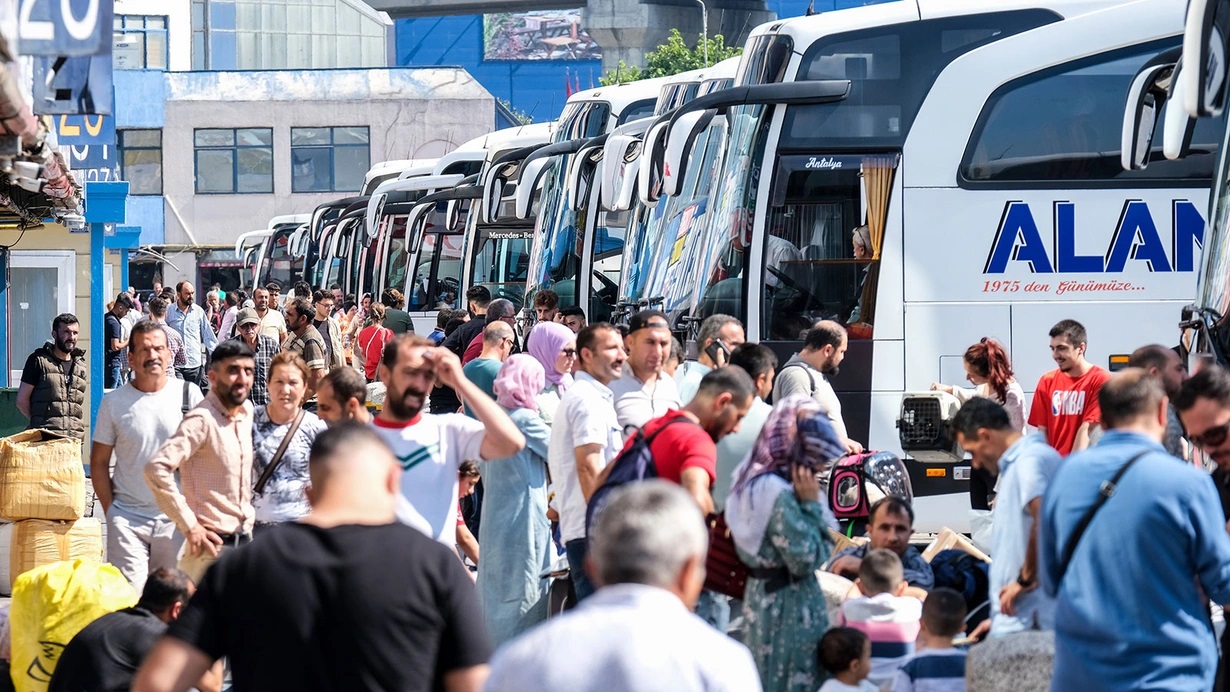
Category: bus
<point>979,145</point>
<point>576,245</point>
<point>272,259</point>
<point>1196,87</point>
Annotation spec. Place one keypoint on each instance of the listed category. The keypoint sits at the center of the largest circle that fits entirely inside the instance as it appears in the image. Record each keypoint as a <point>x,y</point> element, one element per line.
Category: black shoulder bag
<point>277,456</point>
<point>1105,492</point>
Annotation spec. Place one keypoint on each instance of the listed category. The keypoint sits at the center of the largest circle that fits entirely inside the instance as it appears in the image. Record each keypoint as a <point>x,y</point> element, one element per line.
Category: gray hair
<point>499,309</point>
<point>646,534</point>
<point>712,326</point>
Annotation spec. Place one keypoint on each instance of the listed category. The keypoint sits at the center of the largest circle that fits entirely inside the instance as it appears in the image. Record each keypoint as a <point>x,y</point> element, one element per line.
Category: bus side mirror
<point>1178,125</point>
<point>1204,43</point>
<point>649,177</point>
<point>1144,102</point>
<point>531,174</point>
<point>679,141</point>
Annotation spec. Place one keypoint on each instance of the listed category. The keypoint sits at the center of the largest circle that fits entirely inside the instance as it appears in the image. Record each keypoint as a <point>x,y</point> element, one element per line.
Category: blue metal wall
<point>140,100</point>
<point>532,87</point>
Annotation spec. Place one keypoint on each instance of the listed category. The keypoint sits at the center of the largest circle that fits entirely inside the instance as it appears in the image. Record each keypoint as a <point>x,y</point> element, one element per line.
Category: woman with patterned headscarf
<point>779,525</point>
<point>516,538</point>
<point>555,347</point>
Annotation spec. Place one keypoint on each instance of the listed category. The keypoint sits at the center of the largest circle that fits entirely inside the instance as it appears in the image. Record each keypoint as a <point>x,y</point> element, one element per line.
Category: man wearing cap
<point>643,392</point>
<point>248,326</point>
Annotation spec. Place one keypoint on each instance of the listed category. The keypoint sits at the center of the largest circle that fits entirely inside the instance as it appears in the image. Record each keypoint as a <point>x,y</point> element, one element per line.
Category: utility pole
<point>704,24</point>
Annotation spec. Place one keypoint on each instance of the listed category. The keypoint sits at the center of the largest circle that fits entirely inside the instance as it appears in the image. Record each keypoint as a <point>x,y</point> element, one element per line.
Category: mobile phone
<point>712,350</point>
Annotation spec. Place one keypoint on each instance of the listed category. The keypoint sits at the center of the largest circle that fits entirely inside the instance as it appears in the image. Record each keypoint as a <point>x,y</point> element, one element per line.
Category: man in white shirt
<point>584,438</point>
<point>643,392</point>
<point>133,422</point>
<point>807,372</point>
<point>273,322</point>
<point>636,632</point>
<point>717,337</point>
<point>430,447</point>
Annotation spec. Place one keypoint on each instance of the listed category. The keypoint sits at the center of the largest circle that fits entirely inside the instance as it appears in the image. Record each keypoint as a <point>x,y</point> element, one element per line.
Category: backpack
<point>968,576</point>
<point>633,463</point>
<point>857,481</point>
<point>811,378</point>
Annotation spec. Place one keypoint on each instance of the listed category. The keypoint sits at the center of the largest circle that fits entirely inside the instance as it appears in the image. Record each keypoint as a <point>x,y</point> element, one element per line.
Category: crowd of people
<point>410,548</point>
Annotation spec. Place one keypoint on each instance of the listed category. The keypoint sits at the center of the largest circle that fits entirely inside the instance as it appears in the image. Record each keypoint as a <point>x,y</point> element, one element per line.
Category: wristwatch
<point>1023,582</point>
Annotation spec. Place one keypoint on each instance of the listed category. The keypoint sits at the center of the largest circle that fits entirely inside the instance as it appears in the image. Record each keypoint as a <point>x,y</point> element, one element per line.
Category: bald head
<point>354,474</point>
<point>1162,363</point>
<point>496,332</point>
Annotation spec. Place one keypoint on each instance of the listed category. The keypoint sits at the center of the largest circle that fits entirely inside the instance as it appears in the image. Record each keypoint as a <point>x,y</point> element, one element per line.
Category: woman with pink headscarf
<point>516,536</point>
<point>554,346</point>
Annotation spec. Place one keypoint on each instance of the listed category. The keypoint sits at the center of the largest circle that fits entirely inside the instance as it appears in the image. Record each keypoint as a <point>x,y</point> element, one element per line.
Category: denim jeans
<point>114,376</point>
<point>576,551</point>
<point>714,608</point>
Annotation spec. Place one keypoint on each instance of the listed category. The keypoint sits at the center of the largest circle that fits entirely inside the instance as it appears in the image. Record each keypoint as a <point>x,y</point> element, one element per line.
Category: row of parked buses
<point>980,145</point>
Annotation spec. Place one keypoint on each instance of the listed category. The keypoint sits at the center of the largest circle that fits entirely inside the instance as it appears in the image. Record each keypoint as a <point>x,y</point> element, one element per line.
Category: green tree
<point>671,58</point>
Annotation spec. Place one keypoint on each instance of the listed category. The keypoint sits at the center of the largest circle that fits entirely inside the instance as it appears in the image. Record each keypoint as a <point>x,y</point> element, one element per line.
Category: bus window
<point>395,265</point>
<point>821,254</point>
<point>417,292</point>
<point>608,250</point>
<point>1063,124</point>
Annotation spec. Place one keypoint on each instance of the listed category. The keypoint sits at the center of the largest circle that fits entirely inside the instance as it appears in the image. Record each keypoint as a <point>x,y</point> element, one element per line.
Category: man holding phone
<point>718,336</point>
<point>807,372</point>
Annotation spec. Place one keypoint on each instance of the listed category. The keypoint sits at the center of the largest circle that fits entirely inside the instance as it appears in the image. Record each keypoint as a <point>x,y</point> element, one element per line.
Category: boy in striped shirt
<point>938,667</point>
<point>889,619</point>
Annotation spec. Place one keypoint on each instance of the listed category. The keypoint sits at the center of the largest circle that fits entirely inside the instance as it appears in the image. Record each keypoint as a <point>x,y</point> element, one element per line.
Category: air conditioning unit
<point>925,426</point>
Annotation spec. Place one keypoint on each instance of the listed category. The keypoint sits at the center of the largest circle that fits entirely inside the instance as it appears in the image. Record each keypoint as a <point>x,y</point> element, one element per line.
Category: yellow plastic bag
<point>51,604</point>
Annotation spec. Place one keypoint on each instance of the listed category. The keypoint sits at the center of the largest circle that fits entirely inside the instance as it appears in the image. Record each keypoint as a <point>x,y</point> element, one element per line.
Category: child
<point>889,619</point>
<point>846,654</point>
<point>938,667</point>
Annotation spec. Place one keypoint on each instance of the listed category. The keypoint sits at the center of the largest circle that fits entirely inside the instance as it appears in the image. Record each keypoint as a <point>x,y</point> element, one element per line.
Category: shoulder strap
<point>650,438</point>
<point>1105,492</point>
<point>277,456</point>
<point>184,407</point>
<point>811,379</point>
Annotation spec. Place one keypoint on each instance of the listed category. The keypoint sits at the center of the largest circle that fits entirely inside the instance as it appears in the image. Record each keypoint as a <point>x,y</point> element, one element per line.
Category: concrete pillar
<point>628,29</point>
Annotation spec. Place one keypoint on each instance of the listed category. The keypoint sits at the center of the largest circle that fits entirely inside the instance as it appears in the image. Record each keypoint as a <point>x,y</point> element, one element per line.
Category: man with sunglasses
<point>1203,404</point>
<point>248,331</point>
<point>498,340</point>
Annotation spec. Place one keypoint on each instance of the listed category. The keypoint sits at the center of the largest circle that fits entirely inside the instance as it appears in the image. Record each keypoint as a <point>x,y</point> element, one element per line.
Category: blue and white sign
<point>84,129</point>
<point>93,163</point>
<point>77,85</point>
<point>64,27</point>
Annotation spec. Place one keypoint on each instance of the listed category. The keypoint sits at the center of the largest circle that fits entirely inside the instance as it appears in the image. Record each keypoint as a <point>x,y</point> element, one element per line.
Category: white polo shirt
<point>431,448</point>
<point>637,402</point>
<point>586,415</point>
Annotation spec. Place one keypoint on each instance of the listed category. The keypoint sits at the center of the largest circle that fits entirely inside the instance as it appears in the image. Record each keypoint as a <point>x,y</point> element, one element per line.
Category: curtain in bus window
<point>878,184</point>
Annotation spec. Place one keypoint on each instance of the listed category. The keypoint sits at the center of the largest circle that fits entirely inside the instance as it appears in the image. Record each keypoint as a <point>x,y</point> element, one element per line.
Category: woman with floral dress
<point>779,525</point>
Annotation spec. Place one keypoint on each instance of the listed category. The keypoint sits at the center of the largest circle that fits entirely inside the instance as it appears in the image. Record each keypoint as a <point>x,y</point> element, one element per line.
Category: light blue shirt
<point>1025,470</point>
<point>1129,614</point>
<point>732,448</point>
<point>193,326</point>
<point>688,377</point>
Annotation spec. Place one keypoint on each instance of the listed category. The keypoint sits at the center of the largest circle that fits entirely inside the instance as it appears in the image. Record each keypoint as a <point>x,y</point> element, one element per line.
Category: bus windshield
<point>721,252</point>
<point>283,267</point>
<point>501,260</point>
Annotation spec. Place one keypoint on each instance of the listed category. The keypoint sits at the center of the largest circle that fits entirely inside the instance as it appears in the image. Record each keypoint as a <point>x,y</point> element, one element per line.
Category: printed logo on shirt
<point>1065,403</point>
<point>418,456</point>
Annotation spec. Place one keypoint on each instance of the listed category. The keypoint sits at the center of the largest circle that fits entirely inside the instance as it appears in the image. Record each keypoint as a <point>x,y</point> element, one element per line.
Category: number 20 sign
<point>64,27</point>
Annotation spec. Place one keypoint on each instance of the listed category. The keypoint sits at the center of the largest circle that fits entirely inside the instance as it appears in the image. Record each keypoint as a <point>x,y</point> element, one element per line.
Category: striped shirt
<point>891,623</point>
<point>935,670</point>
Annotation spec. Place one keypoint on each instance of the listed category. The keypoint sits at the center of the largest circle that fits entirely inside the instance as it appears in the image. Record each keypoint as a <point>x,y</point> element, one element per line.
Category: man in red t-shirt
<point>686,451</point>
<point>1065,407</point>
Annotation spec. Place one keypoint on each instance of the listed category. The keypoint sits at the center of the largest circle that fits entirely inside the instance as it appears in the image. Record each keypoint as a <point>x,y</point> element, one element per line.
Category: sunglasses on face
<point>568,352</point>
<point>1213,437</point>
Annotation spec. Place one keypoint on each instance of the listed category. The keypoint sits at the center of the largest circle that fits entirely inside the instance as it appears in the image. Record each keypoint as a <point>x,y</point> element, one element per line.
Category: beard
<point>233,396</point>
<point>406,406</point>
<point>830,369</point>
<point>64,346</point>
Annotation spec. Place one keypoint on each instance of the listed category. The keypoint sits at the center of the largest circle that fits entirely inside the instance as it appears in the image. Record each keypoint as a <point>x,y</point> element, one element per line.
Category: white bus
<point>574,240</point>
<point>980,145</point>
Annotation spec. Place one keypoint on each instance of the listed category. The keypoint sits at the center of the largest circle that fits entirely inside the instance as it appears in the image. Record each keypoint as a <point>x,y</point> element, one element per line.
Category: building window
<point>234,161</point>
<point>329,159</point>
<point>139,42</point>
<point>141,161</point>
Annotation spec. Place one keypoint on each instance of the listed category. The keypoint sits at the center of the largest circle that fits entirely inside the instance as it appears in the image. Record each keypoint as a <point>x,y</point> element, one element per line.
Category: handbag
<point>277,456</point>
<point>725,573</point>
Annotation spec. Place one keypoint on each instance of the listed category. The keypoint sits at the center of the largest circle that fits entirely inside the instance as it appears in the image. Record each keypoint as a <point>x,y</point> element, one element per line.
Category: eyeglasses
<point>1213,437</point>
<point>250,325</point>
<point>568,352</point>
